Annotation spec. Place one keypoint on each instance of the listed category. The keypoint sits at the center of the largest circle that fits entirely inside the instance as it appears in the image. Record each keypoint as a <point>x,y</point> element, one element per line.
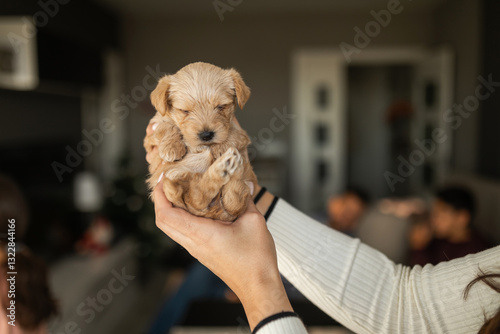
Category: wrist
<point>265,201</point>
<point>264,297</point>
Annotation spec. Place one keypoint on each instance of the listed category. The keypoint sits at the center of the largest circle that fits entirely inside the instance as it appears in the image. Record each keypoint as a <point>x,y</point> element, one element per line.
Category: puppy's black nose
<point>206,135</point>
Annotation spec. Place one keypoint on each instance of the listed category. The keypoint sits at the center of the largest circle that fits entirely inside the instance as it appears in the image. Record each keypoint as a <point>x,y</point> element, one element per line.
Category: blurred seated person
<point>448,234</point>
<point>345,210</point>
<point>34,304</point>
<point>385,226</point>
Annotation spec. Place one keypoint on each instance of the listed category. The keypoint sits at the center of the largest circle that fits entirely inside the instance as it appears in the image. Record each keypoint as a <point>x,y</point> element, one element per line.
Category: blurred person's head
<point>345,210</point>
<point>34,303</point>
<point>421,231</point>
<point>452,212</point>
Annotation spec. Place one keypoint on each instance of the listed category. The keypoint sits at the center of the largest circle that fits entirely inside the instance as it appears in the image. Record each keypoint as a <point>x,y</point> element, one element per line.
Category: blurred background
<point>396,97</point>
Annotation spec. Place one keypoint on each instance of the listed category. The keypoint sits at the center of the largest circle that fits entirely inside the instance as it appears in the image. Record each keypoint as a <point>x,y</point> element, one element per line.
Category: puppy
<point>202,151</point>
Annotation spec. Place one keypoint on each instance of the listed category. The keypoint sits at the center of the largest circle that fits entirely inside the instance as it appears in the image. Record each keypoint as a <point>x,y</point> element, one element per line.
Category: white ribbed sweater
<point>366,292</point>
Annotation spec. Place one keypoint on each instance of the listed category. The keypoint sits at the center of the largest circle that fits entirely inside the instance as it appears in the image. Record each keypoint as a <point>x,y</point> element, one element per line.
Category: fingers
<point>151,128</point>
<point>159,198</point>
<point>252,208</point>
<point>153,153</point>
<point>175,222</point>
<point>251,187</point>
<point>169,219</point>
<point>150,156</point>
<point>251,211</point>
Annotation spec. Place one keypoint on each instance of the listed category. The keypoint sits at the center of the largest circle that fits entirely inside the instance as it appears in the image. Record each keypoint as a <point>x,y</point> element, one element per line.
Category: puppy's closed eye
<point>221,107</point>
<point>183,110</point>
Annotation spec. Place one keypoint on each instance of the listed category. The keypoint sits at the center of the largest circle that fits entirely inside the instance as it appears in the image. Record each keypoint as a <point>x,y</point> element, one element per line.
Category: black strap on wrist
<point>272,318</point>
<point>271,207</point>
<point>259,194</point>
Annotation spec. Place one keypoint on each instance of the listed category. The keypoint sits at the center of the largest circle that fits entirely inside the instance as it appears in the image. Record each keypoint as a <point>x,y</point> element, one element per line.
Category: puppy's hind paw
<point>228,163</point>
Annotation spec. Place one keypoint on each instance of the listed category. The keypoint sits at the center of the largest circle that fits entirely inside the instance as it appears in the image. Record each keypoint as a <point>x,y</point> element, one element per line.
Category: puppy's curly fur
<point>202,151</point>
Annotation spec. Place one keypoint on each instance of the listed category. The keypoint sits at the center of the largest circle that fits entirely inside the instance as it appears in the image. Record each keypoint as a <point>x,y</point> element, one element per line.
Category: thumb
<point>251,206</point>
<point>251,187</point>
<point>159,199</point>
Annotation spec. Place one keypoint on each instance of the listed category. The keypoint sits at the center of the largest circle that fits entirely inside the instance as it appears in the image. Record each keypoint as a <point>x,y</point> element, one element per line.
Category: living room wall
<point>259,47</point>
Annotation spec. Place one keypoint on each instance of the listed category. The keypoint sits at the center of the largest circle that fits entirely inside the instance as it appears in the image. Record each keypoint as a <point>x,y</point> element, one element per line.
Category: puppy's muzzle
<point>206,135</point>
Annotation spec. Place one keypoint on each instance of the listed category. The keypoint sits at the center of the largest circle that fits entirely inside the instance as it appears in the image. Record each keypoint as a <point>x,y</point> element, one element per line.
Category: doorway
<point>379,115</point>
<point>360,123</point>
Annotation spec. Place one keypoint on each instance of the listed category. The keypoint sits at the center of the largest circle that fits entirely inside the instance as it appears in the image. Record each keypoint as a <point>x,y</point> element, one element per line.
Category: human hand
<point>241,253</point>
<point>150,129</point>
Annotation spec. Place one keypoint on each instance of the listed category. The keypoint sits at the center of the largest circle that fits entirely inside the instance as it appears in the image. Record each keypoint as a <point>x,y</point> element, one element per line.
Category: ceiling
<point>243,7</point>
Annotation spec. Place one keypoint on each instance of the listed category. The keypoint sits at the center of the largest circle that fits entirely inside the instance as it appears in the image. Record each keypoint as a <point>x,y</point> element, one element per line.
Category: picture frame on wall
<point>18,53</point>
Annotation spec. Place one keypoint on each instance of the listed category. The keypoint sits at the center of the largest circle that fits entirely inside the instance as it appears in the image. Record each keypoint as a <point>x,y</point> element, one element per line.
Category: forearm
<point>268,299</point>
<point>359,287</point>
<point>318,261</point>
<point>269,311</point>
<point>264,298</point>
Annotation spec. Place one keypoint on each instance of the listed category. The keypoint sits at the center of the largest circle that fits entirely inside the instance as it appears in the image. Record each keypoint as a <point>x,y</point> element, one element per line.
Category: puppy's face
<point>200,99</point>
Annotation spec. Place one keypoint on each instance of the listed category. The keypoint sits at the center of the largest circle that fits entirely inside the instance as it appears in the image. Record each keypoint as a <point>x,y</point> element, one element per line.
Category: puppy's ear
<point>242,90</point>
<point>159,96</point>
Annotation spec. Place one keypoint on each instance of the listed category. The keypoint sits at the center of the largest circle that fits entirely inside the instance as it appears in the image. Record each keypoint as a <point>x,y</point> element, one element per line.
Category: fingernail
<point>159,179</point>
<point>155,125</point>
<point>250,185</point>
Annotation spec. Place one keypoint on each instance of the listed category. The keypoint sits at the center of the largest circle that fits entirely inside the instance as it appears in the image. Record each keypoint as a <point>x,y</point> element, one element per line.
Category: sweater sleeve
<point>281,324</point>
<point>366,292</point>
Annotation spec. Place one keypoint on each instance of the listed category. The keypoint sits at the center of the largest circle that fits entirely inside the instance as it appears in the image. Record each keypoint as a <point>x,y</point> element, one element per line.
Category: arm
<point>242,254</point>
<point>362,289</point>
<point>356,285</point>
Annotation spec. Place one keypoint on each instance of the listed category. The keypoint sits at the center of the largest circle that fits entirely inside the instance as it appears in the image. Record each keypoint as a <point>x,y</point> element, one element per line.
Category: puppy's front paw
<point>228,163</point>
<point>172,151</point>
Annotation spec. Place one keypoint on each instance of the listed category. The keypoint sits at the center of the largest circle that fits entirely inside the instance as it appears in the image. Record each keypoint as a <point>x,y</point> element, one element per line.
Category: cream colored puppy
<point>202,151</point>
